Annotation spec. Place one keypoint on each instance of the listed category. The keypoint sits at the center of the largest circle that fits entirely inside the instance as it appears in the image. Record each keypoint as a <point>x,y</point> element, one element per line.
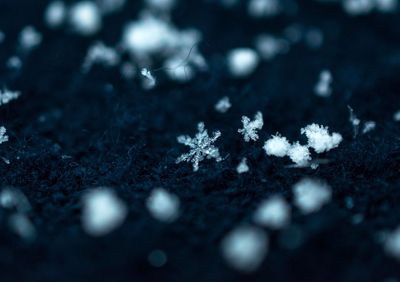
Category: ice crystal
<point>223,105</point>
<point>319,138</point>
<point>277,146</point>
<point>396,116</point>
<point>250,127</point>
<point>201,147</point>
<point>12,198</point>
<point>299,154</point>
<point>7,96</point>
<point>3,136</point>
<point>163,206</point>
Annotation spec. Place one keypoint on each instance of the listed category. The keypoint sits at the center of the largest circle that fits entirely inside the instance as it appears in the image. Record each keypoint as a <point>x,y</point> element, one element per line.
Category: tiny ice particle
<point>277,146</point>
<point>319,138</point>
<point>396,116</point>
<point>102,212</point>
<point>299,154</point>
<point>29,38</point>
<point>22,226</point>
<point>310,195</point>
<point>242,167</point>
<point>368,126</point>
<point>100,54</point>
<point>223,105</point>
<point>85,18</point>
<point>157,258</point>
<point>323,86</point>
<point>392,243</point>
<point>250,127</point>
<point>201,147</point>
<point>3,136</point>
<point>55,14</point>
<point>242,62</point>
<point>6,96</point>
<point>244,248</point>
<point>163,205</point>
<point>149,81</point>
<point>273,213</point>
<point>12,198</point>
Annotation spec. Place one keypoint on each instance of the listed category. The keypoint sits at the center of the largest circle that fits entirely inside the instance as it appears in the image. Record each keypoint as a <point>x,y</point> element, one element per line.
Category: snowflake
<point>250,128</point>
<point>319,138</point>
<point>201,147</point>
<point>277,146</point>
<point>3,136</point>
<point>6,96</point>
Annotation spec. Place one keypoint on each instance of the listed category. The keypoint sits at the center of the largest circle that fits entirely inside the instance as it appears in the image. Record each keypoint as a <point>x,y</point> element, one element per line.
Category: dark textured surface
<point>125,138</point>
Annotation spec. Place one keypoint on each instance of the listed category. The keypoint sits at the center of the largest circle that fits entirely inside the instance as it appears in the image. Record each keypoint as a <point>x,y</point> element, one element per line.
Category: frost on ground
<point>319,138</point>
<point>3,135</point>
<point>6,96</point>
<point>244,248</point>
<point>242,167</point>
<point>102,212</point>
<point>250,127</point>
<point>163,205</point>
<point>311,194</point>
<point>223,105</point>
<point>273,213</point>
<point>392,243</point>
<point>201,147</point>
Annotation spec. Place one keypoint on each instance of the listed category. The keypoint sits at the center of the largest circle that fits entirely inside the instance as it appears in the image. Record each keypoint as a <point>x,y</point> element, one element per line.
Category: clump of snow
<point>244,248</point>
<point>223,105</point>
<point>250,127</point>
<point>99,53</point>
<point>392,243</point>
<point>299,154</point>
<point>242,167</point>
<point>269,46</point>
<point>102,212</point>
<point>3,135</point>
<point>163,205</point>
<point>242,62</point>
<point>319,138</point>
<point>323,86</point>
<point>277,146</point>
<point>85,18</point>
<point>29,38</point>
<point>7,95</point>
<point>201,147</point>
<point>55,14</point>
<point>311,194</point>
<point>273,213</point>
<point>264,8</point>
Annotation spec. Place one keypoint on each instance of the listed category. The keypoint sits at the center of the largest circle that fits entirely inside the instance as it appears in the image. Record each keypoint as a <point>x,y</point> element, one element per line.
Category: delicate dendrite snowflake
<point>201,147</point>
<point>3,136</point>
<point>7,96</point>
<point>250,127</point>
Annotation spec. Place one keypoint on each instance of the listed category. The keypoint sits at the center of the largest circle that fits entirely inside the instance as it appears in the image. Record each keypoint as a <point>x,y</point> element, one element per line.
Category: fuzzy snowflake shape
<point>6,96</point>
<point>201,147</point>
<point>319,138</point>
<point>250,127</point>
<point>3,136</point>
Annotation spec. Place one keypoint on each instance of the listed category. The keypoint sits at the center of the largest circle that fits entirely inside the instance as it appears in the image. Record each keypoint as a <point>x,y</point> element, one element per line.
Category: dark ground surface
<point>125,138</point>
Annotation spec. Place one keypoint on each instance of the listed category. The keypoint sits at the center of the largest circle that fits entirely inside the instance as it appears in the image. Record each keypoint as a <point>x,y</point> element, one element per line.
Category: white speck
<point>12,198</point>
<point>250,127</point>
<point>223,105</point>
<point>368,126</point>
<point>85,18</point>
<point>269,46</point>
<point>98,53</point>
<point>29,38</point>
<point>396,116</point>
<point>277,146</point>
<point>6,96</point>
<point>310,195</point>
<point>148,81</point>
<point>273,213</point>
<point>299,154</point>
<point>3,135</point>
<point>242,167</point>
<point>201,147</point>
<point>319,138</point>
<point>55,14</point>
<point>244,248</point>
<point>157,258</point>
<point>242,62</point>
<point>22,226</point>
<point>263,8</point>
<point>102,212</point>
<point>392,243</point>
<point>323,86</point>
<point>163,205</point>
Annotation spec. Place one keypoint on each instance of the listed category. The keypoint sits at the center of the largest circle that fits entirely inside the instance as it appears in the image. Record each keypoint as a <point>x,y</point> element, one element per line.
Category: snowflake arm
<point>201,147</point>
<point>250,127</point>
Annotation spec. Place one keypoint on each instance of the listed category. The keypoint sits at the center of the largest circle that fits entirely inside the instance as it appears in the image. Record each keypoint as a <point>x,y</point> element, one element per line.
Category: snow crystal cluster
<point>242,167</point>
<point>102,212</point>
<point>242,62</point>
<point>223,105</point>
<point>323,87</point>
<point>244,248</point>
<point>318,137</point>
<point>201,147</point>
<point>311,194</point>
<point>3,135</point>
<point>163,205</point>
<point>250,127</point>
<point>6,96</point>
<point>273,213</point>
